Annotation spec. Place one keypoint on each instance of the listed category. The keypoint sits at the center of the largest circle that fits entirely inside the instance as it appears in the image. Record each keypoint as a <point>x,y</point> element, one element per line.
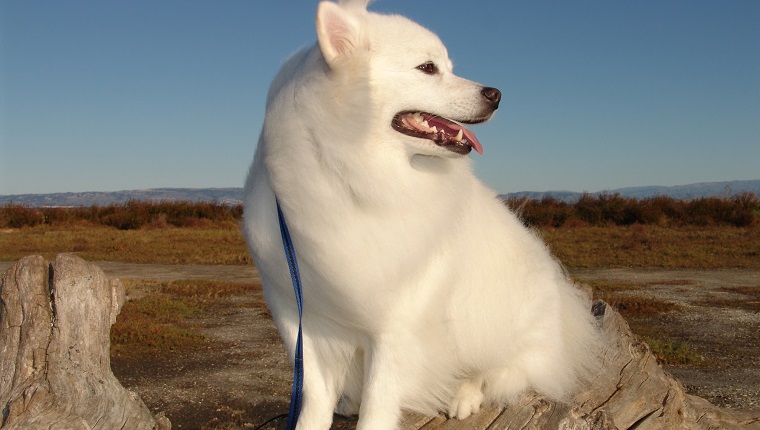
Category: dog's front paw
<point>467,400</point>
<point>347,407</point>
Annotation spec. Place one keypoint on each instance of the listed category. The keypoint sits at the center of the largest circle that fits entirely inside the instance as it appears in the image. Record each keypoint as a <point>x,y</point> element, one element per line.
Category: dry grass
<point>154,323</point>
<point>582,247</point>
<point>596,231</point>
<point>653,246</point>
<point>740,297</point>
<point>206,290</point>
<point>161,316</point>
<point>671,353</point>
<point>161,246</point>
<point>135,214</point>
<point>740,210</point>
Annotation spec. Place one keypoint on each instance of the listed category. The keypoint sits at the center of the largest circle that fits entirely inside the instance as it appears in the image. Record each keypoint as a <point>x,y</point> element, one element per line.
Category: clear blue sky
<point>106,95</point>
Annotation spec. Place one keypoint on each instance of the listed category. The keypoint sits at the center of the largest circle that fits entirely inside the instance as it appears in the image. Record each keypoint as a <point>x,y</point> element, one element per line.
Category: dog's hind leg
<point>505,385</point>
<point>468,399</point>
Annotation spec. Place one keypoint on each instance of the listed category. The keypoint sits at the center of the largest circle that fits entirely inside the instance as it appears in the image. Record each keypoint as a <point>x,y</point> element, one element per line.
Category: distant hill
<point>235,195</point>
<point>678,192</point>
<point>222,195</point>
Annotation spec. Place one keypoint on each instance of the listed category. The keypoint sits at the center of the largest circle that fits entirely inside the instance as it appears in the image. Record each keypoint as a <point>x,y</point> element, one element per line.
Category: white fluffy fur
<point>421,290</point>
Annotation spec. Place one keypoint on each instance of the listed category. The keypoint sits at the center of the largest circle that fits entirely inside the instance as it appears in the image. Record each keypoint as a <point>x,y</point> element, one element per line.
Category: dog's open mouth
<point>443,132</point>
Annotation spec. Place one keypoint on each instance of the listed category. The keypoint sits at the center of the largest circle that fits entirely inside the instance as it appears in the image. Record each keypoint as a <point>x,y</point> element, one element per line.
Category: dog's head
<point>413,88</point>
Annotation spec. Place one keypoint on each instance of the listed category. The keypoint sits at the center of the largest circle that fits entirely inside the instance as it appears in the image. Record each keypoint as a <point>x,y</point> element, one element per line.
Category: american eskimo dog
<point>421,289</point>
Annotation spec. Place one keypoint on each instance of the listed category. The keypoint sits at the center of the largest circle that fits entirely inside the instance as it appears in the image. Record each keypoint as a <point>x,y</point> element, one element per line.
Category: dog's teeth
<point>459,135</point>
<point>434,129</point>
<point>425,124</point>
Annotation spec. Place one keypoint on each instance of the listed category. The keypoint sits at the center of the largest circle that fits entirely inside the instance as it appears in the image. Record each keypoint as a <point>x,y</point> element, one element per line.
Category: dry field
<point>195,339</point>
<point>652,246</point>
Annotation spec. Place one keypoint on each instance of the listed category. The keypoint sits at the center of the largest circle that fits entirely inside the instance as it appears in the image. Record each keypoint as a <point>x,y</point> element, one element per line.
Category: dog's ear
<point>338,32</point>
<point>359,4</point>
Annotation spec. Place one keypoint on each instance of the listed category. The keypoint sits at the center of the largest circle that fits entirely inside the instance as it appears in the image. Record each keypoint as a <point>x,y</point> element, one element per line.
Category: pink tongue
<point>453,128</point>
<point>470,136</point>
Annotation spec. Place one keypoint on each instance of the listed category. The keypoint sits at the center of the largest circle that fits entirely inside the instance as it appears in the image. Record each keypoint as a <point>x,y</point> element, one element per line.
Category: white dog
<point>421,290</point>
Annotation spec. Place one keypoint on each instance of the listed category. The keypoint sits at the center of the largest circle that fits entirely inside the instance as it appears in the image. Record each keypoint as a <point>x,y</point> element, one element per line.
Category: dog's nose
<point>492,95</point>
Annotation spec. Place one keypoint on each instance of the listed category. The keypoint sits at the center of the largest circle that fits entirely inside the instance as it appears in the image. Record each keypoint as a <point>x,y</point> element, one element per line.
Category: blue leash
<point>296,394</point>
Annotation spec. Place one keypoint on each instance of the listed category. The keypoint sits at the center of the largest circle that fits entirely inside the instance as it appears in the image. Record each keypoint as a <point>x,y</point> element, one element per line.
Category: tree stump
<point>55,368</point>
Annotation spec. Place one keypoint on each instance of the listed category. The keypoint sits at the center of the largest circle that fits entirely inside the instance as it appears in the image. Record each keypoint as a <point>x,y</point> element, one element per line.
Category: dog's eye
<point>428,68</point>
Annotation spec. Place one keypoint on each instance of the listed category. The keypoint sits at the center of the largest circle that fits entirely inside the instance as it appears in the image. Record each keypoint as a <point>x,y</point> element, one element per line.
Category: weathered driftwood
<point>55,370</point>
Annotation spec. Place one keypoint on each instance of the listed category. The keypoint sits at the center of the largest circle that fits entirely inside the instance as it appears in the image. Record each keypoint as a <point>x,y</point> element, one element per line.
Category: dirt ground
<point>242,378</point>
